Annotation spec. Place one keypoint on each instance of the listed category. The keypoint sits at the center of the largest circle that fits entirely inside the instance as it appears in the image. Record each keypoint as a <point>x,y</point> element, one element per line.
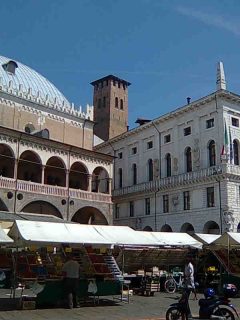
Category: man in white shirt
<point>71,279</point>
<point>189,276</point>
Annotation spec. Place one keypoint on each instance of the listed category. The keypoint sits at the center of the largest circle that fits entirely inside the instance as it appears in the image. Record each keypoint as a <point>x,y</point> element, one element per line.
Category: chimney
<point>188,100</point>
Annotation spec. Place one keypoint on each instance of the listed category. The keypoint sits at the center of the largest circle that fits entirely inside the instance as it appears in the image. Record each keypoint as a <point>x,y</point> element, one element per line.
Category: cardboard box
<point>28,305</point>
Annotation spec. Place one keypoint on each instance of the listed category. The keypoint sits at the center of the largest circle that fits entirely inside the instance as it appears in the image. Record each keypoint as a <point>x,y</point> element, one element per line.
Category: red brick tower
<point>110,100</point>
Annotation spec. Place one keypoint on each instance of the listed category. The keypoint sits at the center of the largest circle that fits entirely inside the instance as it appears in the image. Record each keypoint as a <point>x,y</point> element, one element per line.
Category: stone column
<point>89,186</point>
<point>15,169</point>
<point>109,181</point>
<point>67,178</point>
<point>43,174</point>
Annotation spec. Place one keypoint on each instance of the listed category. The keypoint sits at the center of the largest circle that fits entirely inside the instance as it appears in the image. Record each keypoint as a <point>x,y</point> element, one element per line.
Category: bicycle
<point>171,284</point>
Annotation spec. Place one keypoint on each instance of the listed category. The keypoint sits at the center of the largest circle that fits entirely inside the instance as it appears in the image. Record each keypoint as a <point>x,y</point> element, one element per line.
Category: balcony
<point>182,179</point>
<point>37,188</point>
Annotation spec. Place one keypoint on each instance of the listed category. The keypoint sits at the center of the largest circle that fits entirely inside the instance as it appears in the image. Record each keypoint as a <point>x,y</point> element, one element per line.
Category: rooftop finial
<point>221,82</point>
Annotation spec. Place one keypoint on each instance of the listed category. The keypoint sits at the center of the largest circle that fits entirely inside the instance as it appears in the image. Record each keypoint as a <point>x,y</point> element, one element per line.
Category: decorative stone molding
<point>196,153</point>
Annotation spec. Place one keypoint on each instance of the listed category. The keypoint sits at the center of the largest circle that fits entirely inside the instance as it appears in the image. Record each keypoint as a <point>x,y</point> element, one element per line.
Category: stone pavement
<point>139,308</point>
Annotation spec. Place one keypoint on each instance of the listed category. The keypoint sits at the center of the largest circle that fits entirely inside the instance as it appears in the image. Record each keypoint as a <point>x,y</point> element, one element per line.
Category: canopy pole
<point>123,260</point>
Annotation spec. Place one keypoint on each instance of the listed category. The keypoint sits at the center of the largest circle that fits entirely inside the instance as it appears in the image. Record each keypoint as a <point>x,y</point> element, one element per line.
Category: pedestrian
<point>189,276</point>
<point>71,280</point>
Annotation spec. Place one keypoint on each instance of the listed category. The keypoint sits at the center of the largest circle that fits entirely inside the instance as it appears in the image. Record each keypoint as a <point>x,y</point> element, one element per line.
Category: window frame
<point>131,209</point>
<point>165,198</point>
<point>210,197</point>
<point>147,206</point>
<point>186,200</point>
<point>210,123</point>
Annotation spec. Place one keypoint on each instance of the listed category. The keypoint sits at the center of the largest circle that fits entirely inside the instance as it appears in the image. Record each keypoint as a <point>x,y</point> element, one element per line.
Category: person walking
<point>70,271</point>
<point>189,276</point>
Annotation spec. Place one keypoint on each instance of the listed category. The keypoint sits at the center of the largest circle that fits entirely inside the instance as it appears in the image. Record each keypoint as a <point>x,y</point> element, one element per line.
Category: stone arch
<point>166,228</point>
<point>100,180</point>
<point>55,172</point>
<point>187,227</point>
<point>30,167</point>
<point>147,228</point>
<point>7,161</point>
<point>211,227</point>
<point>42,207</point>
<point>78,176</point>
<point>238,227</point>
<point>3,206</point>
<point>89,215</point>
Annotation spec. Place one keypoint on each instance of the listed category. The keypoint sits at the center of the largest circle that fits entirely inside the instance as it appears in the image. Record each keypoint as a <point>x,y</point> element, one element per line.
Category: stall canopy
<point>172,239</point>
<point>4,238</point>
<point>24,232</point>
<point>206,238</point>
<point>125,236</point>
<point>228,239</point>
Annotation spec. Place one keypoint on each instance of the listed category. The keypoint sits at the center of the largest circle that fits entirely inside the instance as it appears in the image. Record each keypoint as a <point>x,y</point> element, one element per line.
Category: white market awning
<point>206,238</point>
<point>34,232</point>
<point>172,239</point>
<point>125,236</point>
<point>4,238</point>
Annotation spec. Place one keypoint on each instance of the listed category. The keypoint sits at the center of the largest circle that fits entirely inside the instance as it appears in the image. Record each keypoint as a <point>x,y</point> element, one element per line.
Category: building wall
<point>62,127</point>
<point>219,106</point>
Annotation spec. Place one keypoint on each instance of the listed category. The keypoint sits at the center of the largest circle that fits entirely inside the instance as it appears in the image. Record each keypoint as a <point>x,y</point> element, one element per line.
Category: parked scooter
<point>211,305</point>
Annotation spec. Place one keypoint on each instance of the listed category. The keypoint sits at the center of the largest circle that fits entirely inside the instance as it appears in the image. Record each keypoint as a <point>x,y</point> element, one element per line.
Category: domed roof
<point>20,78</point>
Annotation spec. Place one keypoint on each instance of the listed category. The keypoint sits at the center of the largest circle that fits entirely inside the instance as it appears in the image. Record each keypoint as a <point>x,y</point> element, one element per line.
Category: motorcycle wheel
<point>170,286</point>
<point>174,313</point>
<point>224,312</point>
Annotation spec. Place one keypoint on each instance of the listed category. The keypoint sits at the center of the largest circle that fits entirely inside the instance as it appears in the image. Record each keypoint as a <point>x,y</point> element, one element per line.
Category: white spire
<point>221,82</point>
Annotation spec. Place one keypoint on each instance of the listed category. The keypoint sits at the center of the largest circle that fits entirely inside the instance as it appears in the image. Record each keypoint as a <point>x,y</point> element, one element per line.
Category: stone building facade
<point>47,164</point>
<point>180,172</point>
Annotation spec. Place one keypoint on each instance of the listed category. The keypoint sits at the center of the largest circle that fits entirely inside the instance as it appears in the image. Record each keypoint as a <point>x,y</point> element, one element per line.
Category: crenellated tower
<point>110,101</point>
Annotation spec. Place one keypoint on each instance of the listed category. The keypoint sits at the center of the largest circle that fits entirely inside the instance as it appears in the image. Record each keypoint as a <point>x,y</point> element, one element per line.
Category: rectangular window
<point>147,206</point>
<point>210,123</point>
<point>149,145</point>
<point>210,197</point>
<point>235,122</point>
<point>167,138</point>
<point>134,150</point>
<point>131,209</point>
<point>187,131</point>
<point>117,210</point>
<point>120,155</point>
<point>165,203</point>
<point>186,200</point>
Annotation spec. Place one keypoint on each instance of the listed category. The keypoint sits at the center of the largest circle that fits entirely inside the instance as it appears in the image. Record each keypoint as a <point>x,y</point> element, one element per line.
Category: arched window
<point>235,152</point>
<point>116,102</point>
<point>120,176</point>
<point>212,153</point>
<point>150,170</point>
<point>99,103</point>
<point>121,104</point>
<point>168,165</point>
<point>134,173</point>
<point>188,156</point>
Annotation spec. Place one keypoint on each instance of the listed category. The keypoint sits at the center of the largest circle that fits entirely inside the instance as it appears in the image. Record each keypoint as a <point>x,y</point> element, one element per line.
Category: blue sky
<point>168,50</point>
